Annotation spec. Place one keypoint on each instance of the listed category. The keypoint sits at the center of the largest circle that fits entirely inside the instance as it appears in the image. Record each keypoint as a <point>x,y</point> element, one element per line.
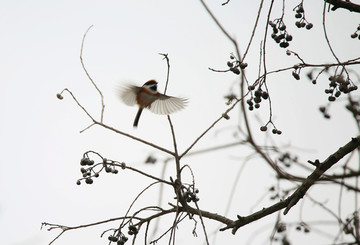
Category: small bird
<point>147,96</point>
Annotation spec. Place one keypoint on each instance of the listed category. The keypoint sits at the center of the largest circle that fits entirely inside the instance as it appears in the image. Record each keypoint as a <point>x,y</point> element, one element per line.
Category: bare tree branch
<point>344,5</point>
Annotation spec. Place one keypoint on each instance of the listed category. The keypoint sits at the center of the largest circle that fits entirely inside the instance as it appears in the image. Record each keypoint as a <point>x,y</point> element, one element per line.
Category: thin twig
<point>168,70</point>
<point>88,75</point>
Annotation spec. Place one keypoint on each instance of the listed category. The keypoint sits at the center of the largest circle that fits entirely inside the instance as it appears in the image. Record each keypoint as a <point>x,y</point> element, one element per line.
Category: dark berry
<point>89,181</point>
<point>257,99</point>
<point>264,95</point>
<point>288,38</point>
<point>309,26</point>
<point>263,128</point>
<point>243,65</point>
<point>282,27</point>
<point>258,93</point>
<point>112,239</point>
<point>84,161</point>
<point>354,35</point>
<point>235,70</point>
<point>295,75</point>
<point>332,98</point>
<point>284,44</point>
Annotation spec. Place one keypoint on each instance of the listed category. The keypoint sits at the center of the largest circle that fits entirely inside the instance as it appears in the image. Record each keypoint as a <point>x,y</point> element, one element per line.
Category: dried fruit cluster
<point>235,65</point>
<point>356,34</point>
<point>89,173</point>
<point>280,34</point>
<point>338,84</point>
<point>300,14</point>
<point>190,194</point>
<point>120,238</point>
<point>259,96</point>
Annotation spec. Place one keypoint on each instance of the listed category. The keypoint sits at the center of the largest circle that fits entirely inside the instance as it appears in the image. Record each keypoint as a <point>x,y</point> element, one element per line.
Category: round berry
<point>282,27</point>
<point>309,26</point>
<point>89,181</point>
<point>354,35</point>
<point>263,128</point>
<point>288,38</point>
<point>59,96</point>
<point>264,95</point>
<point>284,44</point>
<point>243,65</point>
<point>331,98</point>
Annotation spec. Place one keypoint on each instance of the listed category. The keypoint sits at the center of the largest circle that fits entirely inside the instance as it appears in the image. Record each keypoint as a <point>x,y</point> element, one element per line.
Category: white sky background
<point>40,142</point>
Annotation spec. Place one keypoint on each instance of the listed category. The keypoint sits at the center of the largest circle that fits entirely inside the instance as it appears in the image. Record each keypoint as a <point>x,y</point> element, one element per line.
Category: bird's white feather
<point>166,105</point>
<point>128,94</point>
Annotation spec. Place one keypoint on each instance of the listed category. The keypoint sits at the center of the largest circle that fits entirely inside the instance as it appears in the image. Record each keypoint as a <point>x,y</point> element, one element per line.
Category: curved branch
<point>352,7</point>
<point>292,200</point>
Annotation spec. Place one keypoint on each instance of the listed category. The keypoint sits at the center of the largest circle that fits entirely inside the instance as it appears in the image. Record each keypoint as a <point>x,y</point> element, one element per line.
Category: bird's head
<point>151,84</point>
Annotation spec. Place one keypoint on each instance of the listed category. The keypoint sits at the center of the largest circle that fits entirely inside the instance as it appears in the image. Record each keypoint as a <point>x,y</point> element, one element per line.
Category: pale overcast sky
<point>40,141</point>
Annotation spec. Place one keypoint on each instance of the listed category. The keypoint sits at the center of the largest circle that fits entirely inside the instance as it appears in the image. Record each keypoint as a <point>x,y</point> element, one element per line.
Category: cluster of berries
<point>280,35</point>
<point>356,34</point>
<point>324,111</point>
<point>259,96</point>
<point>300,14</point>
<point>89,173</point>
<point>132,230</point>
<point>338,84</point>
<point>191,195</point>
<point>120,240</point>
<point>235,64</point>
<point>287,159</point>
<point>274,130</point>
<point>303,227</point>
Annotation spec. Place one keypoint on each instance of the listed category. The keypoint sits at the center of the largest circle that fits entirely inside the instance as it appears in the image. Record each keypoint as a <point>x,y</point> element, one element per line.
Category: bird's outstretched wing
<point>166,105</point>
<point>128,94</point>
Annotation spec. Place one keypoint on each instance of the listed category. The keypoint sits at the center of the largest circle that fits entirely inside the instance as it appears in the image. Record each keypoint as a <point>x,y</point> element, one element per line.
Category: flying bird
<point>148,97</point>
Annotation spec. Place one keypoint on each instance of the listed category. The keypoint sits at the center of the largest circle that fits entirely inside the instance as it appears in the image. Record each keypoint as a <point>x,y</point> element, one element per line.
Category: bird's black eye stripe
<point>153,88</point>
<point>152,85</point>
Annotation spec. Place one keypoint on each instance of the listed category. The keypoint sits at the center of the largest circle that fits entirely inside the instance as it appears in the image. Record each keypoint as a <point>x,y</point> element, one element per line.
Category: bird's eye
<point>153,87</point>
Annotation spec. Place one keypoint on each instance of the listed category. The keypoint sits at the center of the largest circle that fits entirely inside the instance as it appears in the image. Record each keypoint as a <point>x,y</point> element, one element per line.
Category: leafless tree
<point>342,83</point>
